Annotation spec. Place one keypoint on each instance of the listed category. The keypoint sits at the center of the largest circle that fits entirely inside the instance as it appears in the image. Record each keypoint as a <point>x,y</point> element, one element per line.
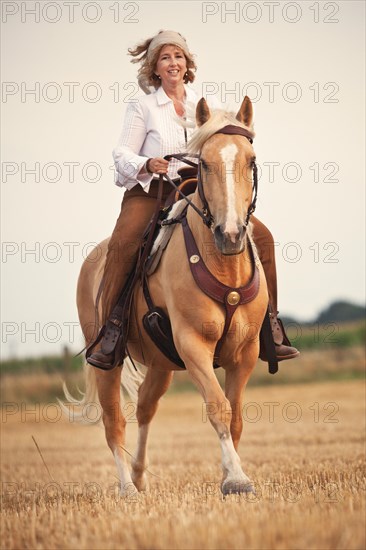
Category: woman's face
<point>171,65</point>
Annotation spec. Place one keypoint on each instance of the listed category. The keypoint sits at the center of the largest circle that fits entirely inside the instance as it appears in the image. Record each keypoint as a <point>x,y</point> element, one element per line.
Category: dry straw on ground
<point>303,446</point>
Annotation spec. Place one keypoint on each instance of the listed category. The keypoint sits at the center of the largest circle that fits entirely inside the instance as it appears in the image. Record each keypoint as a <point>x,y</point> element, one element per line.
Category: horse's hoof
<point>128,492</point>
<point>235,487</point>
<point>138,476</point>
<point>140,483</point>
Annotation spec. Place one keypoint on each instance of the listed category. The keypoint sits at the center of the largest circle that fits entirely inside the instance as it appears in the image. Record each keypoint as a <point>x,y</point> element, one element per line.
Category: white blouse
<point>151,129</point>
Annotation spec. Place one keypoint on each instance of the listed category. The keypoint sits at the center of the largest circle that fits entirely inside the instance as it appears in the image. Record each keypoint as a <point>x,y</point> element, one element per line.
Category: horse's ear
<point>202,112</point>
<point>245,113</point>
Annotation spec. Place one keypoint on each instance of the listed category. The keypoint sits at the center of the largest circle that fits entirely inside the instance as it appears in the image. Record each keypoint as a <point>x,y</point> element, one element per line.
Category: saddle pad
<point>163,237</point>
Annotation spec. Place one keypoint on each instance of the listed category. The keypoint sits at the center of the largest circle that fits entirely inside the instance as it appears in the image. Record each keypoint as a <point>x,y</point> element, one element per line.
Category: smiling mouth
<point>174,71</point>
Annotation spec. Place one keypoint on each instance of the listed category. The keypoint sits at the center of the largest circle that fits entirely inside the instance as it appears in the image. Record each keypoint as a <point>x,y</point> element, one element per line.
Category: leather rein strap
<point>231,297</point>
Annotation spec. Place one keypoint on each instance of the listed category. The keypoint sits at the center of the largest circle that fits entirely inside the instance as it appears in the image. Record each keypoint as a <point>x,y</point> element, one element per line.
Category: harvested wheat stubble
<point>302,445</point>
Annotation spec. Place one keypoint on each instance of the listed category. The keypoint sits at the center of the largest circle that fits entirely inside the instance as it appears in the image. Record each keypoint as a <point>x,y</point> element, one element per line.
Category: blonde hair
<point>218,119</point>
<point>146,74</point>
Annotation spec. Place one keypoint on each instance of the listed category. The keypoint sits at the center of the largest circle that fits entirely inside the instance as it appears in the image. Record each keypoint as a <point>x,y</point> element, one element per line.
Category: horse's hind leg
<point>153,387</point>
<point>109,392</point>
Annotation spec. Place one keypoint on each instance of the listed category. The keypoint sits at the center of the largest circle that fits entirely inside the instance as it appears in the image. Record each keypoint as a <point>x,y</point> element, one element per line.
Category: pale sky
<point>302,63</point>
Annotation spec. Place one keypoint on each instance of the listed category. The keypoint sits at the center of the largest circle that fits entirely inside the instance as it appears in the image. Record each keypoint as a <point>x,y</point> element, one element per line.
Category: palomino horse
<point>197,320</point>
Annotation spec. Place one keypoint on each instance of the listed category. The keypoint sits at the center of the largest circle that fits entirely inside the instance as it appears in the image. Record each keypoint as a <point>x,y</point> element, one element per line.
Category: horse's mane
<point>218,119</point>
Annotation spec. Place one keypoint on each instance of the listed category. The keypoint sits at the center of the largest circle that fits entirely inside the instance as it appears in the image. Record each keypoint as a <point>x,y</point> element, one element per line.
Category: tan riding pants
<point>136,212</point>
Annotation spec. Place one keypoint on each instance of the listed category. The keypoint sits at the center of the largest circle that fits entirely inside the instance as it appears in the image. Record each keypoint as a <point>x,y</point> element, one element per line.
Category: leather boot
<point>283,347</point>
<point>101,360</point>
<point>105,357</point>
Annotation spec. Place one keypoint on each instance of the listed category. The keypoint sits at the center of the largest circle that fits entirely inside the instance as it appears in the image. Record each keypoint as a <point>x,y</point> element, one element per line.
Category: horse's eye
<point>204,165</point>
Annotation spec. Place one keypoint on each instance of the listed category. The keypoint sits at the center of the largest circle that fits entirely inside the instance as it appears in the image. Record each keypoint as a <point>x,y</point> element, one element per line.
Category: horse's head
<point>226,172</point>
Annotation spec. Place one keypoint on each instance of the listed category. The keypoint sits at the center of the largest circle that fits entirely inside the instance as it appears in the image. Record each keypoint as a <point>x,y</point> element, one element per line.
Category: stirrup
<point>102,361</point>
<point>282,346</point>
<point>110,336</point>
<point>89,349</point>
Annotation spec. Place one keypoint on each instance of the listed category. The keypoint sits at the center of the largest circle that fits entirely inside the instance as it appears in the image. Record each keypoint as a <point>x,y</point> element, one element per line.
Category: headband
<point>167,37</point>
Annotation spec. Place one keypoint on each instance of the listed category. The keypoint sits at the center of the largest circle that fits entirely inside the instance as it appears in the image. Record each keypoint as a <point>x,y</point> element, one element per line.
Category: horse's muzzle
<point>230,243</point>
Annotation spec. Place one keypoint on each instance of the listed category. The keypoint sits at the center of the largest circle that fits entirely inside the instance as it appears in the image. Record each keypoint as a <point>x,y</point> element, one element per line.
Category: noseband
<point>205,214</point>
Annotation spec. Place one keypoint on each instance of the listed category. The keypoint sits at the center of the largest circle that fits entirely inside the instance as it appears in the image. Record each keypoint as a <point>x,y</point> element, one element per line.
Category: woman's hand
<point>157,165</point>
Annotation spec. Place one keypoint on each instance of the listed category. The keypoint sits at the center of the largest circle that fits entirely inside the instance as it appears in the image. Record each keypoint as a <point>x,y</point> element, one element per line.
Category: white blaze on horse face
<point>228,155</point>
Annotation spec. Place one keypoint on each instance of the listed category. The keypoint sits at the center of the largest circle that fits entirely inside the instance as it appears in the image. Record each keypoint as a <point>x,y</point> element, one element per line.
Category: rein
<point>205,213</point>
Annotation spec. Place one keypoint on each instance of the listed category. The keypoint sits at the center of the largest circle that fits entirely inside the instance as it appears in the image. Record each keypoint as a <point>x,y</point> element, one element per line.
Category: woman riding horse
<point>151,130</point>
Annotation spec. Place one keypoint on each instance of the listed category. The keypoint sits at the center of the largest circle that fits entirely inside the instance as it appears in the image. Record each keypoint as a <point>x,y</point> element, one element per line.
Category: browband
<point>233,130</point>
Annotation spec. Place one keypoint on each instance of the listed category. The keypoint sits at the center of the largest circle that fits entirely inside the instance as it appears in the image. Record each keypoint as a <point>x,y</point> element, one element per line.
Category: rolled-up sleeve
<point>127,160</point>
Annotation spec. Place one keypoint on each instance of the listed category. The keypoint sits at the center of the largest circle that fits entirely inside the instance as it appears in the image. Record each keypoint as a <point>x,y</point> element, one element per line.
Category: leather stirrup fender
<point>266,340</point>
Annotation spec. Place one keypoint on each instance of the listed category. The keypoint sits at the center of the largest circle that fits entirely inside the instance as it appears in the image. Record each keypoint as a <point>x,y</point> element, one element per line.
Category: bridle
<point>205,213</point>
<point>230,297</point>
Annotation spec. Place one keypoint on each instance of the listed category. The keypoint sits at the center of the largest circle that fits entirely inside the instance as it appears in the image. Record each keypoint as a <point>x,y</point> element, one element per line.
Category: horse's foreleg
<point>234,386</point>
<point>153,387</point>
<point>236,379</point>
<point>198,362</point>
<point>109,392</point>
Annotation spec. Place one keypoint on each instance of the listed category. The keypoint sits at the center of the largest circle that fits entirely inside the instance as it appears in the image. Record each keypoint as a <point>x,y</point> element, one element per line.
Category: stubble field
<point>303,446</point>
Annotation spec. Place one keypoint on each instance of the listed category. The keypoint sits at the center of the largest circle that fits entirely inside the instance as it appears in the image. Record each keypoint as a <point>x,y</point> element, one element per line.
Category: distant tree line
<point>337,312</point>
<point>333,328</point>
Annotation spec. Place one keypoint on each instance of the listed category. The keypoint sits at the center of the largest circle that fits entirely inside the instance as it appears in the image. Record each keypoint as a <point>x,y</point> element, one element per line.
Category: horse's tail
<point>133,374</point>
<point>80,409</point>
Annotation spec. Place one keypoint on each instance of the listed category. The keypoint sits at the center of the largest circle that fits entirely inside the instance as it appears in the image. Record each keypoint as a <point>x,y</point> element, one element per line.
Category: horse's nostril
<point>241,231</point>
<point>235,235</point>
<point>219,231</point>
